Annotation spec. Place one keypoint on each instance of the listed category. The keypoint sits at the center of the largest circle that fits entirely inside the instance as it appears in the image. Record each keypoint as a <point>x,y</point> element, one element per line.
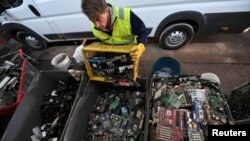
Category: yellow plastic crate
<point>98,47</point>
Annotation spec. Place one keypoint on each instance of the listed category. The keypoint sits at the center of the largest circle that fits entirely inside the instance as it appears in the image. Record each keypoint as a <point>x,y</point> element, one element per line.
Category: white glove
<point>78,54</point>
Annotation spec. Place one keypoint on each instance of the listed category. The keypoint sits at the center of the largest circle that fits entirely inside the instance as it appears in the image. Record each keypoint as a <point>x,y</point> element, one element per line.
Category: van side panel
<point>64,16</point>
<point>210,23</point>
<point>158,14</point>
<point>185,16</point>
<point>13,27</point>
<point>235,22</point>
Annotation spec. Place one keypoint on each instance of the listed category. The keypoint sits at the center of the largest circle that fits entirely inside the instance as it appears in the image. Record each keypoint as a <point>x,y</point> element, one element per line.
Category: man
<point>116,26</point>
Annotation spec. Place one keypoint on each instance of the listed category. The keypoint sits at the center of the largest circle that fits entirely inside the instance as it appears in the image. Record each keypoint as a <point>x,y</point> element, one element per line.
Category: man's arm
<point>138,28</point>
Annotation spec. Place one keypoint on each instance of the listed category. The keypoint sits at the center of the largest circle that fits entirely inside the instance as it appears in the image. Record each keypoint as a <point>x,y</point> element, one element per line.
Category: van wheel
<point>30,40</point>
<point>176,36</point>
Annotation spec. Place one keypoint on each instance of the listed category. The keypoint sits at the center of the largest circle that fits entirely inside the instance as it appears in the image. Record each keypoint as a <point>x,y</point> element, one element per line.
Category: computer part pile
<point>55,111</point>
<point>117,115</point>
<point>182,107</point>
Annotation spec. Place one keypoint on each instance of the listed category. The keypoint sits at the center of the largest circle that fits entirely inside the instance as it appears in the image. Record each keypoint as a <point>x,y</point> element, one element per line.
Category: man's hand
<point>78,52</point>
<point>137,51</point>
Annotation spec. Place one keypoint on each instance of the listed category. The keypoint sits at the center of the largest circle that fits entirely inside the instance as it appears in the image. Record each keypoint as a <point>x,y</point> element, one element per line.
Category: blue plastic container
<point>167,62</point>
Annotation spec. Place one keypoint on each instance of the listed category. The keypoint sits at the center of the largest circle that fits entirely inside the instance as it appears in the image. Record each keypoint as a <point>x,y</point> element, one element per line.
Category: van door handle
<point>33,9</point>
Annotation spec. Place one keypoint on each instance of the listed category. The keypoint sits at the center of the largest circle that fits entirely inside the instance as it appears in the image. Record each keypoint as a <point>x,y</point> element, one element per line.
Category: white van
<point>37,22</point>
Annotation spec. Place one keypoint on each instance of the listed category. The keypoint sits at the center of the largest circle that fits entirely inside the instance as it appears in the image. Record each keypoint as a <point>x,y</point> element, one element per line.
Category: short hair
<point>92,8</point>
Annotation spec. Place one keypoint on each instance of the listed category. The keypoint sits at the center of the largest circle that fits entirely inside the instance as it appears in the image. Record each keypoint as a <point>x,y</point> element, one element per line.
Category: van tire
<point>176,35</point>
<point>31,40</point>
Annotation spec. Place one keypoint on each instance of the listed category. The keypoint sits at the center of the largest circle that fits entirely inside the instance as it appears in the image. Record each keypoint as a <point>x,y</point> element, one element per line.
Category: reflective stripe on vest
<point>122,32</point>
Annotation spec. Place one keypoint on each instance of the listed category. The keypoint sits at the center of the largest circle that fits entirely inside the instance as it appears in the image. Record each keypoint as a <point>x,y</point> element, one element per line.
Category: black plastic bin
<point>28,113</point>
<point>78,124</point>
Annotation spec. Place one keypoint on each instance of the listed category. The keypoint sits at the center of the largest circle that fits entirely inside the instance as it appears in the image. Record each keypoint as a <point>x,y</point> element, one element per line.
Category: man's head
<point>97,11</point>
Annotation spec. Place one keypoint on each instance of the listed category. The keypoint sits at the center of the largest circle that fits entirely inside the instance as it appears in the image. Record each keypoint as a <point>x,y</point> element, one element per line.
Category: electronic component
<point>55,110</point>
<point>4,81</point>
<point>194,104</point>
<point>197,95</point>
<point>105,121</point>
<point>114,67</point>
<point>123,120</point>
<point>170,126</point>
<point>95,62</point>
<point>119,124</point>
<point>161,91</point>
<point>100,104</point>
